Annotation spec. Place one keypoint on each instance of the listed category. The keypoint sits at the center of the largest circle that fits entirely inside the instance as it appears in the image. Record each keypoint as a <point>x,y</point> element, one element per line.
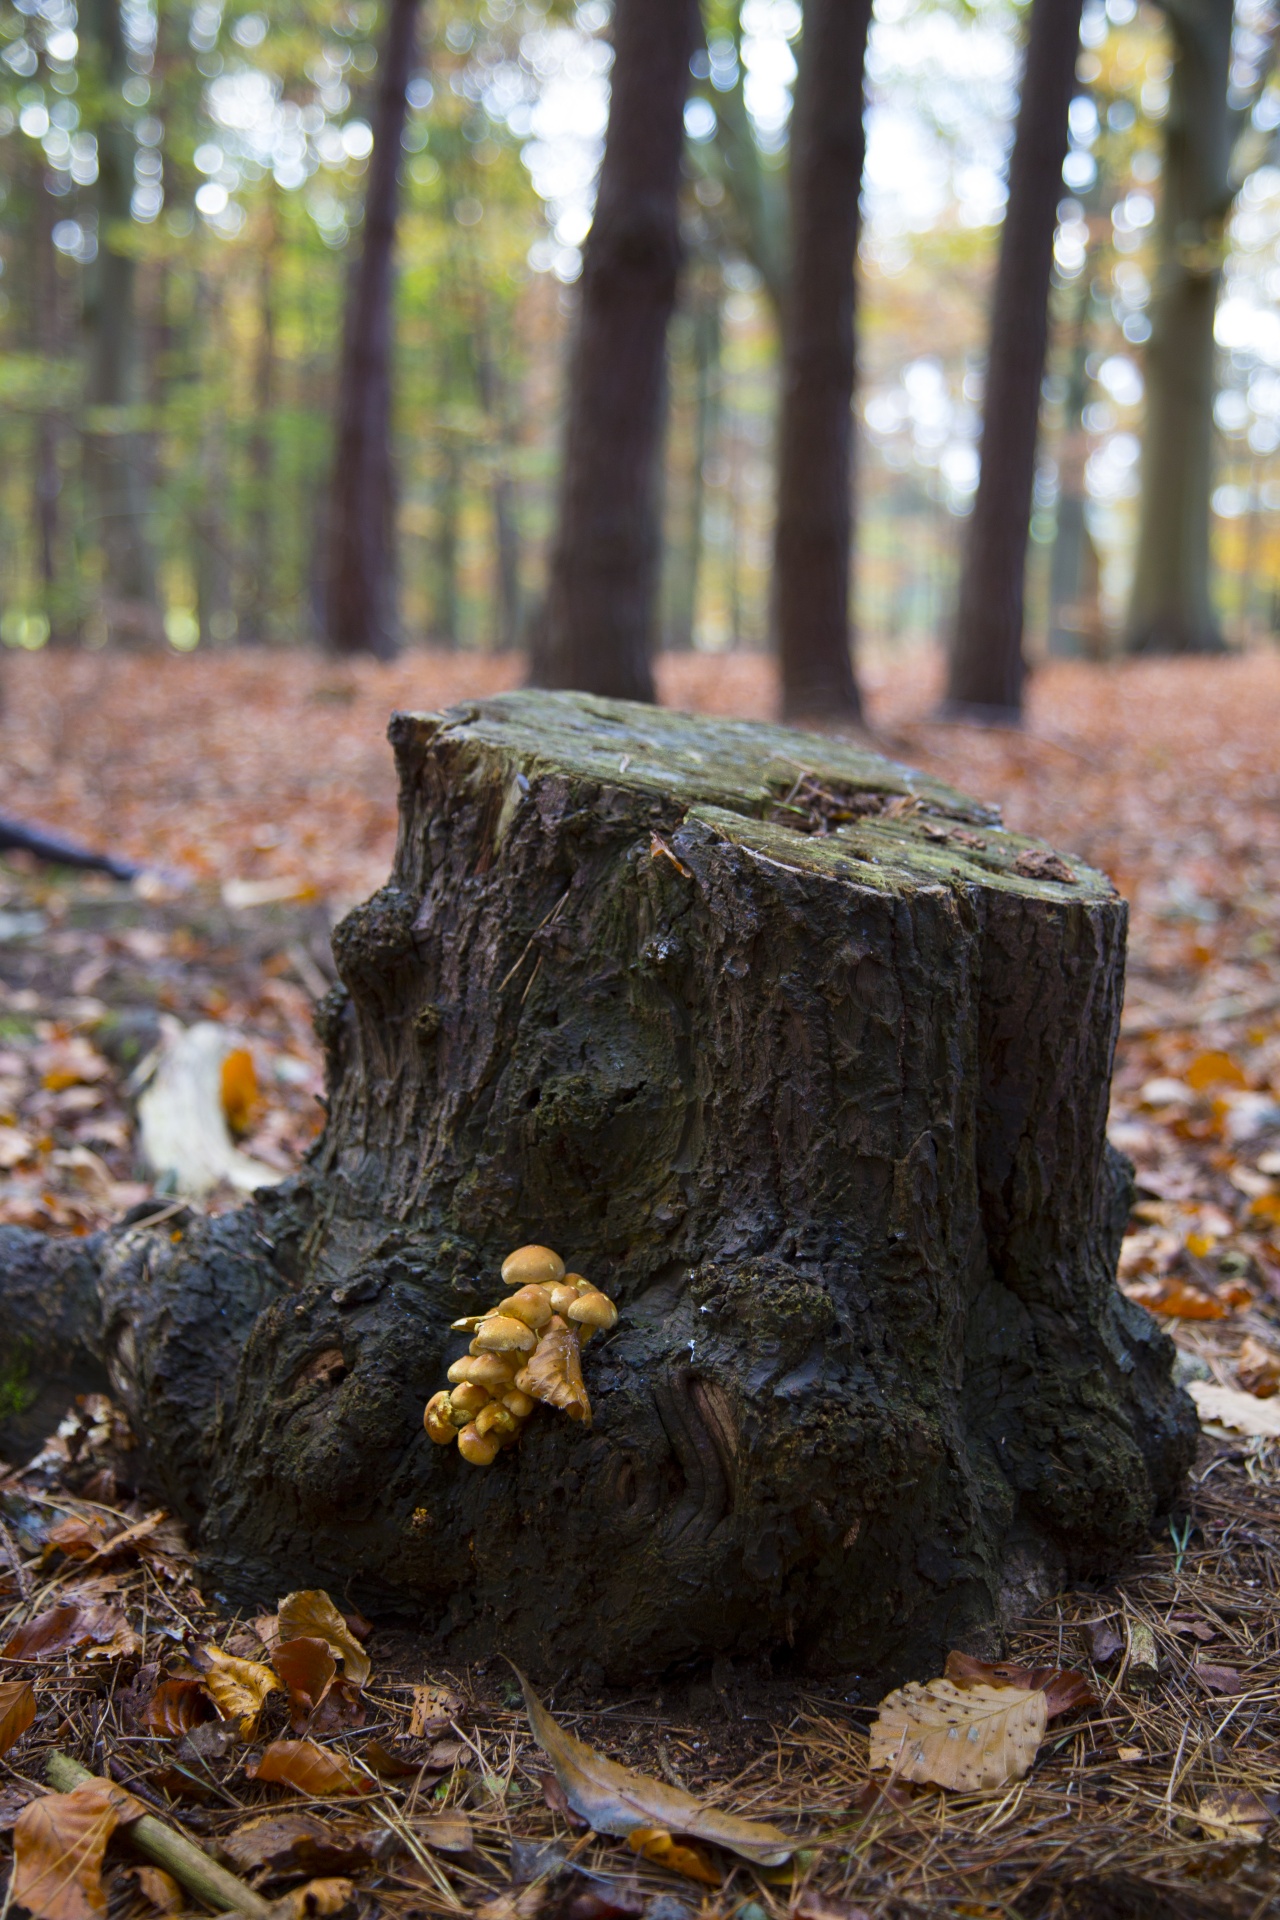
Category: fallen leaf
<point>445,1754</point>
<point>1062,1687</point>
<point>307,1767</point>
<point>65,1628</point>
<point>1240,1412</point>
<point>388,1764</point>
<point>277,1844</point>
<point>306,1667</point>
<point>654,1843</point>
<point>1038,863</point>
<point>1228,1813</point>
<point>1258,1368</point>
<point>553,1373</point>
<point>514,1905</point>
<point>1177,1298</point>
<point>341,1707</point>
<point>1218,1679</point>
<point>1130,1754</point>
<point>434,1709</point>
<point>317,1897</point>
<point>555,1798</point>
<point>613,1799</point>
<point>176,1707</point>
<point>820,1906</point>
<point>446,1832</point>
<point>1191,1625</point>
<point>971,1737</point>
<point>79,1535</point>
<point>58,1844</point>
<point>238,1688</point>
<point>1102,1641</point>
<point>15,1147</point>
<point>311,1614</point>
<point>238,1087</point>
<point>17,1711</point>
<point>211,1740</point>
<point>130,1539</point>
<point>874,1795</point>
<point>158,1888</point>
<point>1213,1070</point>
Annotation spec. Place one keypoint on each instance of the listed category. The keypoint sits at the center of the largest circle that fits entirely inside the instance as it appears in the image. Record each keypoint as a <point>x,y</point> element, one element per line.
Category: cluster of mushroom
<point>526,1349</point>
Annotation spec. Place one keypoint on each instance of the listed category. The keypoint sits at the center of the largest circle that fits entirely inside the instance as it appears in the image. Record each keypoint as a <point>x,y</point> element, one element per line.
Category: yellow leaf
<point>653,1843</point>
<point>311,1615</point>
<point>1213,1070</point>
<point>237,1688</point>
<point>613,1799</point>
<point>239,1087</point>
<point>318,1897</point>
<point>969,1738</point>
<point>434,1709</point>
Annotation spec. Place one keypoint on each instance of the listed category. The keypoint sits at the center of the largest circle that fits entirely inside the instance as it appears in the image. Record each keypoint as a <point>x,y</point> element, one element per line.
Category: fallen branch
<point>189,1864</point>
<point>17,837</point>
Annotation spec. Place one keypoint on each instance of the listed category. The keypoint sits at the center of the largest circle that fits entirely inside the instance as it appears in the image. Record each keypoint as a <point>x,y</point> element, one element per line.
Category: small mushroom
<point>481,1449</point>
<point>531,1304</point>
<point>468,1399</point>
<point>536,1266</point>
<point>492,1370</point>
<point>593,1309</point>
<point>518,1403</point>
<point>468,1323</point>
<point>563,1295</point>
<point>502,1333</point>
<point>435,1419</point>
<point>496,1418</point>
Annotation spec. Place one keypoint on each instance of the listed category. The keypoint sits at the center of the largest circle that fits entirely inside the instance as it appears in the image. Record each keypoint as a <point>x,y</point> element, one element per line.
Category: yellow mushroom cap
<point>496,1418</point>
<point>493,1370</point>
<point>531,1304</point>
<point>501,1333</point>
<point>481,1449</point>
<point>537,1266</point>
<point>562,1296</point>
<point>468,1323</point>
<point>468,1399</point>
<point>518,1403</point>
<point>593,1309</point>
<point>435,1418</point>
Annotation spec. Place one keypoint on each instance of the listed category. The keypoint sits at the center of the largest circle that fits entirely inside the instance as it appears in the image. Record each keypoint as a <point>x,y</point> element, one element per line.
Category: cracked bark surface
<point>801,1058</point>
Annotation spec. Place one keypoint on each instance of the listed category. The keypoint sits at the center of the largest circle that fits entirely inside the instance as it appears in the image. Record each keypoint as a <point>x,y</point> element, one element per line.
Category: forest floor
<point>260,791</point>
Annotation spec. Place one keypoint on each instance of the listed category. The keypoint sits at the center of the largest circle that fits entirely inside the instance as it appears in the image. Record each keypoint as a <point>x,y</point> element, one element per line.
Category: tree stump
<point>800,1057</point>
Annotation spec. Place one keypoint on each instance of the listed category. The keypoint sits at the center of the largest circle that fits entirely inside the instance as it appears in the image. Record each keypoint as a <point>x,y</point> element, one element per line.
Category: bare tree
<point>815,443</point>
<point>987,666</point>
<point>362,612</point>
<point>602,597</point>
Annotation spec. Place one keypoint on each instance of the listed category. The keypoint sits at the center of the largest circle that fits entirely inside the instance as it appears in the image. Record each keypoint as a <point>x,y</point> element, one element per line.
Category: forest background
<point>182,193</point>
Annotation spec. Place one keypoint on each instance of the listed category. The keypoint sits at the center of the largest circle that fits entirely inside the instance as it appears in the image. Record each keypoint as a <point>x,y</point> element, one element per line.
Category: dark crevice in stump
<point>805,1061</point>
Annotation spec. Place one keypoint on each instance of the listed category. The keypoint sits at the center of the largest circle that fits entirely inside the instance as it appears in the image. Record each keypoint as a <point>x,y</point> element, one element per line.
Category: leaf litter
<point>1165,1783</point>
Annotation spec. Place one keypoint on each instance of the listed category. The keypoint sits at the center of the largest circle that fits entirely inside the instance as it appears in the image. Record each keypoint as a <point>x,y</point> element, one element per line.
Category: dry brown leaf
<point>17,1711</point>
<point>342,1706</point>
<point>1102,1640</point>
<point>176,1706</point>
<point>1216,1679</point>
<point>446,1832</point>
<point>306,1667</point>
<point>389,1764</point>
<point>434,1709</point>
<point>1258,1368</point>
<point>1038,863</point>
<point>554,1371</point>
<point>311,1614</point>
<point>64,1628</point>
<point>655,1844</point>
<point>287,1843</point>
<point>1063,1688</point>
<point>1240,1412</point>
<point>316,1898</point>
<point>58,1844</point>
<point>79,1535</point>
<point>970,1738</point>
<point>820,1906</point>
<point>158,1888</point>
<point>616,1800</point>
<point>1228,1813</point>
<point>1177,1298</point>
<point>308,1767</point>
<point>237,1688</point>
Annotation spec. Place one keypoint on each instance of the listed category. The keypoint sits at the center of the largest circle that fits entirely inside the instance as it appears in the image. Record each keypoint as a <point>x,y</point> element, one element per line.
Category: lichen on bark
<point>821,1105</point>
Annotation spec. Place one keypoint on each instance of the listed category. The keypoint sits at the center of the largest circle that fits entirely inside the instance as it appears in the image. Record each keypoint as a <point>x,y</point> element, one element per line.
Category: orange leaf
<point>79,1536</point>
<point>653,1843</point>
<point>1063,1688</point>
<point>17,1711</point>
<point>58,1844</point>
<point>237,1688</point>
<point>176,1706</point>
<point>159,1889</point>
<point>309,1768</point>
<point>1213,1070</point>
<point>61,1629</point>
<point>1266,1207</point>
<point>1178,1299</point>
<point>311,1614</point>
<point>239,1089</point>
<point>306,1666</point>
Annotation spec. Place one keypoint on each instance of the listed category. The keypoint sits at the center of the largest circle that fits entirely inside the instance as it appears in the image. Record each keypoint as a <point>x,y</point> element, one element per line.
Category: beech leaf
<point>434,1709</point>
<point>613,1799</point>
<point>1229,1813</point>
<point>64,1628</point>
<point>1063,1687</point>
<point>1241,1412</point>
<point>159,1889</point>
<point>967,1737</point>
<point>306,1666</point>
<point>285,1843</point>
<point>311,1614</point>
<point>237,1688</point>
<point>307,1767</point>
<point>176,1706</point>
<point>17,1711</point>
<point>58,1844</point>
<point>317,1897</point>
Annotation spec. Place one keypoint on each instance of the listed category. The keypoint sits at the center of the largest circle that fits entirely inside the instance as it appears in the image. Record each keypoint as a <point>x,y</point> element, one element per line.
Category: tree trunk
<point>814,532</point>
<point>1170,610</point>
<point>48,480</point>
<point>823,1110</point>
<point>115,461</point>
<point>602,592</point>
<point>987,667</point>
<point>257,625</point>
<point>491,385</point>
<point>1075,618</point>
<point>446,609</point>
<point>363,615</point>
<point>684,553</point>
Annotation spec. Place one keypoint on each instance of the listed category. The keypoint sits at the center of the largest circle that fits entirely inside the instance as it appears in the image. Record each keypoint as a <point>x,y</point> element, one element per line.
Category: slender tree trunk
<point>492,388</point>
<point>256,626</point>
<point>115,462</point>
<point>814,533</point>
<point>1170,610</point>
<point>602,595</point>
<point>1074,622</point>
<point>215,598</point>
<point>686,557</point>
<point>987,667</point>
<point>363,616</point>
<point>446,616</point>
<point>48,481</point>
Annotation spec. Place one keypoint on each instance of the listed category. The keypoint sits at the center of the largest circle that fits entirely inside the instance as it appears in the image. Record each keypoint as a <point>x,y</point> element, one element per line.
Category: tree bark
<point>987,667</point>
<point>257,625</point>
<point>115,462</point>
<point>363,615</point>
<point>684,552</point>
<point>602,594</point>
<point>814,531</point>
<point>1075,618</point>
<point>823,1110</point>
<point>1170,610</point>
